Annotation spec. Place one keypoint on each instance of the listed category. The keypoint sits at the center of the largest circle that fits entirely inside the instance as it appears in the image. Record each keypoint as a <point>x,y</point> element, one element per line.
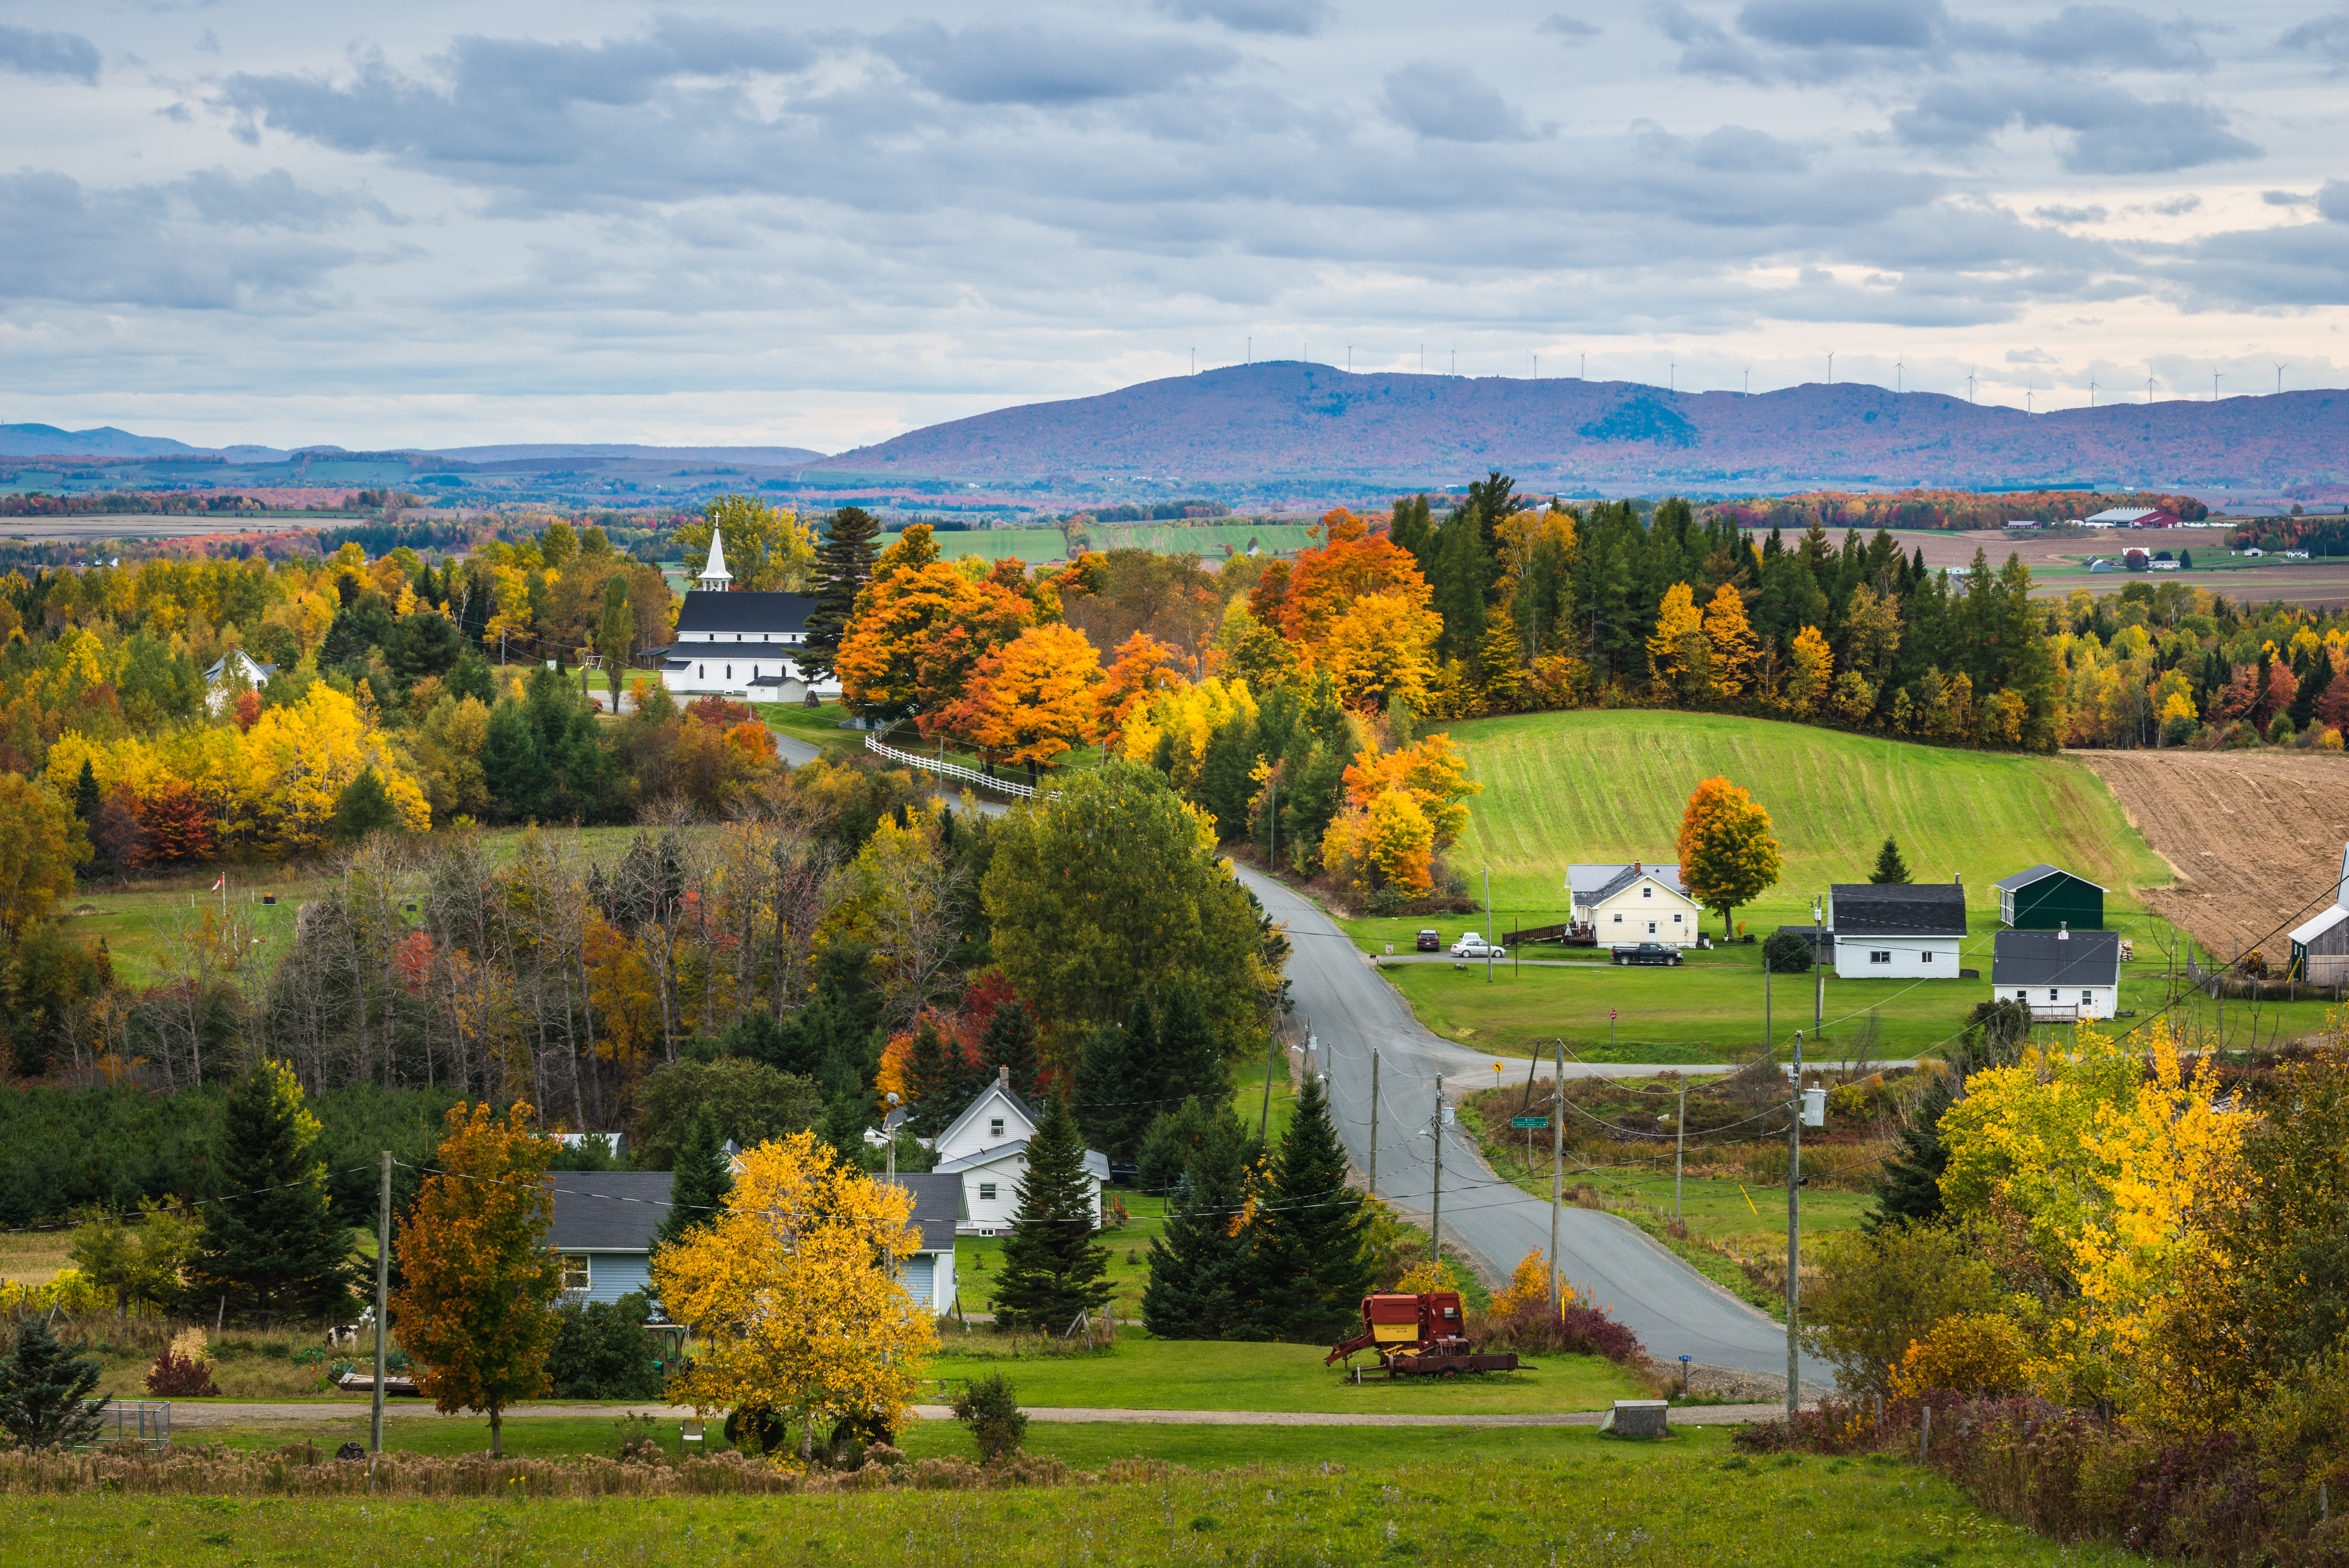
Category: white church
<point>740,645</point>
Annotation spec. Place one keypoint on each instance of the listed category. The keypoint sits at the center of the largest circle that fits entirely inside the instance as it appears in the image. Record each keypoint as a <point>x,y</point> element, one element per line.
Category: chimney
<point>2064,930</point>
<point>1003,1076</point>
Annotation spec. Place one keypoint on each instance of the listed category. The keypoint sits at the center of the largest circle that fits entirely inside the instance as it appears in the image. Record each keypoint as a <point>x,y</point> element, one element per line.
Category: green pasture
<point>1029,545</point>
<point>1206,540</point>
<point>819,727</point>
<point>1458,1496</point>
<point>1561,788</point>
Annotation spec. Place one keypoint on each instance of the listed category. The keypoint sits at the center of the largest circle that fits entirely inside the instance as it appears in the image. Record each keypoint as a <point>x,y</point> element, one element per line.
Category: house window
<point>2053,995</point>
<point>575,1271</point>
<point>987,1192</point>
<point>2021,996</point>
<point>2087,997</point>
<point>730,672</point>
<point>1880,956</point>
<point>1927,957</point>
<point>701,671</point>
<point>1676,919</point>
<point>994,1126</point>
<point>1647,892</point>
<point>1618,916</point>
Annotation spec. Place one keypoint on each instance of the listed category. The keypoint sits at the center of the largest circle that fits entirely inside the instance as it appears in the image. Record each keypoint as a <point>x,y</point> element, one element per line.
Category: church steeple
<point>714,575</point>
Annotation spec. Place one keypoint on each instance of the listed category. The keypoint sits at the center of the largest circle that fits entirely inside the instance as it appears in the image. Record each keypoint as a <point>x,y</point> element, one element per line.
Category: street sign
<point>1529,1121</point>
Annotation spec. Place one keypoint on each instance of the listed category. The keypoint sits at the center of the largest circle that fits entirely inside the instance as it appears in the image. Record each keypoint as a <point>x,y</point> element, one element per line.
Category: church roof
<point>766,613</point>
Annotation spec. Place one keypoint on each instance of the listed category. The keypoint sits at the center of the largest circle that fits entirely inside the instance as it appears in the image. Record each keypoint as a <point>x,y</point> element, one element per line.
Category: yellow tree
<point>768,549</point>
<point>1727,853</point>
<point>476,1307</point>
<point>1143,665</point>
<point>1731,639</point>
<point>40,845</point>
<point>1677,620</point>
<point>1380,647</point>
<point>793,1297</point>
<point>302,755</point>
<point>1033,699</point>
<point>1813,676</point>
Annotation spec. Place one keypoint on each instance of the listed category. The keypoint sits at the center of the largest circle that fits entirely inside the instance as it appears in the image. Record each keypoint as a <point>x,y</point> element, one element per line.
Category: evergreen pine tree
<point>1189,1059</point>
<point>366,807</point>
<point>270,1243</point>
<point>699,1186</point>
<point>1908,1186</point>
<point>44,1390</point>
<point>1010,1043</point>
<point>843,565</point>
<point>86,797</point>
<point>1052,1268</point>
<point>1310,1268</point>
<point>935,1074</point>
<point>1889,867</point>
<point>1202,1268</point>
<point>1104,1093</point>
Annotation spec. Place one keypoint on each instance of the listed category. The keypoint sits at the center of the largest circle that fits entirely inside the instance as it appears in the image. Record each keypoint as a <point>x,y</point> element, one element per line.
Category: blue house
<point>604,1222</point>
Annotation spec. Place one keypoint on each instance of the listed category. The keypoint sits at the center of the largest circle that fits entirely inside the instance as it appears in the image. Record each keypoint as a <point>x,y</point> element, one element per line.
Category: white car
<point>1473,946</point>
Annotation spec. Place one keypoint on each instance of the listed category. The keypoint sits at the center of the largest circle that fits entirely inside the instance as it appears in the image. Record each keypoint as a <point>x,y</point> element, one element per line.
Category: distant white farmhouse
<point>2062,976</point>
<point>740,645</point>
<point>1634,903</point>
<point>232,670</point>
<point>1897,931</point>
<point>987,1149</point>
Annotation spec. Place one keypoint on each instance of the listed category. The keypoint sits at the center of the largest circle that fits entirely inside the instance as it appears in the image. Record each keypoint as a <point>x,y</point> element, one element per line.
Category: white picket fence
<point>873,744</point>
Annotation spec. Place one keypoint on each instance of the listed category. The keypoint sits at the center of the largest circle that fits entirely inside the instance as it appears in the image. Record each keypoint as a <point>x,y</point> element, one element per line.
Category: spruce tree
<point>86,797</point>
<point>271,1245</point>
<point>1889,867</point>
<point>1104,1095</point>
<point>44,1390</point>
<point>699,1186</point>
<point>1310,1263</point>
<point>366,807</point>
<point>1189,1057</point>
<point>1010,1043</point>
<point>843,565</point>
<point>1201,1274</point>
<point>935,1074</point>
<point>1052,1268</point>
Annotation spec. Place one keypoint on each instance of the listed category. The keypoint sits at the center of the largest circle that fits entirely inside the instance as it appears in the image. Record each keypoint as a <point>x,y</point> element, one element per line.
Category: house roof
<point>706,611</point>
<point>2040,873</point>
<point>937,1204</point>
<point>608,1211</point>
<point>251,663</point>
<point>1590,884</point>
<point>2051,958</point>
<point>1096,1162</point>
<point>1899,909</point>
<point>971,1112</point>
<point>2321,923</point>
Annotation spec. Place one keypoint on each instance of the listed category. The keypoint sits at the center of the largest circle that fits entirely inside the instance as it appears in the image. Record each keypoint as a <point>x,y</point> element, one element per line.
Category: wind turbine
<point>1830,367</point>
<point>1672,377</point>
<point>2280,371</point>
<point>1897,369</point>
<point>2092,391</point>
<point>2214,386</point>
<point>2148,388</point>
<point>1970,386</point>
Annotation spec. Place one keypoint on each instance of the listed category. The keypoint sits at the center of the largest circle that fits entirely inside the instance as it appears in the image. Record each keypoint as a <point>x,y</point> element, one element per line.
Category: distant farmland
<point>1205,539</point>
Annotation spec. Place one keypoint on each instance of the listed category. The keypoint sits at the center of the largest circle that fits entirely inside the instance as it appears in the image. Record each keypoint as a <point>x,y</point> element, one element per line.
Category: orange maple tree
<point>1143,665</point>
<point>476,1310</point>
<point>1324,583</point>
<point>1031,700</point>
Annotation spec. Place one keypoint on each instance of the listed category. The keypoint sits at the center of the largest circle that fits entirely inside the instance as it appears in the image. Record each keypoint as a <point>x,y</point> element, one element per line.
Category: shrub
<point>1880,1294</point>
<point>177,1376</point>
<point>1971,1354</point>
<point>1576,1329</point>
<point>989,1407</point>
<point>1787,953</point>
<point>601,1351</point>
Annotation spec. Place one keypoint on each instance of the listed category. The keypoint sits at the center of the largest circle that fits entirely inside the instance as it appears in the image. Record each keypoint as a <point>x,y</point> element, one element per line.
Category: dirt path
<point>186,1416</point>
<point>2254,837</point>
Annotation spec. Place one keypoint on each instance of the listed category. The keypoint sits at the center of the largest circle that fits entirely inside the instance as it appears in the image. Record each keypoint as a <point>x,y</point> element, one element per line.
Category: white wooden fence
<point>873,744</point>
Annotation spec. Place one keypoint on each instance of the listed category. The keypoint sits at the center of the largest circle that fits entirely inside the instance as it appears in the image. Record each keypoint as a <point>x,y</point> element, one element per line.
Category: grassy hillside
<point>1563,787</point>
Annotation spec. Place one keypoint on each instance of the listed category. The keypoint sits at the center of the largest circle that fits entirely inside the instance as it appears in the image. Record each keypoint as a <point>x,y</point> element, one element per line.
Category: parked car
<point>1648,952</point>
<point>1472,945</point>
<point>1431,942</point>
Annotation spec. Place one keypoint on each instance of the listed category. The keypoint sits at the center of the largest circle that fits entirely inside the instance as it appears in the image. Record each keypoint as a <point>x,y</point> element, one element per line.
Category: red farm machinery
<point>1418,1336</point>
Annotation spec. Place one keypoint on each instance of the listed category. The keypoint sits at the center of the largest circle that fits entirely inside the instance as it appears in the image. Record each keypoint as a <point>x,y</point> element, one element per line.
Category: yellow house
<point>1634,903</point>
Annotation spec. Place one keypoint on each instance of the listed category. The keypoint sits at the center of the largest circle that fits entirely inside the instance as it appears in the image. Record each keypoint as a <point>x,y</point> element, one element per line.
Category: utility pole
<point>1819,996</point>
<point>1488,925</point>
<point>1680,1149</point>
<point>1435,1218</point>
<point>1272,1060</point>
<point>382,1301</point>
<point>1556,1167</point>
<point>1374,1121</point>
<point>1794,1238</point>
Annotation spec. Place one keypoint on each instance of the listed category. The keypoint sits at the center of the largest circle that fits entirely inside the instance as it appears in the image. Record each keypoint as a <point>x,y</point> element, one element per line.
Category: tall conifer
<point>699,1186</point>
<point>1310,1263</point>
<point>1011,1043</point>
<point>1203,1273</point>
<point>271,1246</point>
<point>1053,1268</point>
<point>843,565</point>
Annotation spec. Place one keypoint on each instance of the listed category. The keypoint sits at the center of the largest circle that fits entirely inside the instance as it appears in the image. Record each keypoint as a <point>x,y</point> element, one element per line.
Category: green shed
<point>2047,896</point>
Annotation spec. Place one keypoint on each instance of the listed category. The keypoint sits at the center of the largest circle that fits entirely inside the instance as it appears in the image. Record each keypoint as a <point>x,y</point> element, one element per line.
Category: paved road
<point>187,1415</point>
<point>1675,1311</point>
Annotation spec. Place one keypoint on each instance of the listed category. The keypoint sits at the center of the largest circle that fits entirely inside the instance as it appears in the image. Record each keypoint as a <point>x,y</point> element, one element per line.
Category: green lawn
<point>1145,1374</point>
<point>817,726</point>
<point>1029,544</point>
<point>1205,540</point>
<point>1469,1498</point>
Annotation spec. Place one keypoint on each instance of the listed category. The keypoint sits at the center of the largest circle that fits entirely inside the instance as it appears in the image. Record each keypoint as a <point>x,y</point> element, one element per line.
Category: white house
<point>1634,903</point>
<point>987,1149</point>
<point>233,669</point>
<point>2060,976</point>
<point>1897,931</point>
<point>740,645</point>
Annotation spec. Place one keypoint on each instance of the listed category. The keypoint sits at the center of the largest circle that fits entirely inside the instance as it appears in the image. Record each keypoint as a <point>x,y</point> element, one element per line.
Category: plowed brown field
<point>2255,837</point>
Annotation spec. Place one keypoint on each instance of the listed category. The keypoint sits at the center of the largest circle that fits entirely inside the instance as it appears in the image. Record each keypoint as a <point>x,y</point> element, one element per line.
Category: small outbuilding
<point>2048,898</point>
<point>2062,976</point>
<point>2320,948</point>
<point>1898,930</point>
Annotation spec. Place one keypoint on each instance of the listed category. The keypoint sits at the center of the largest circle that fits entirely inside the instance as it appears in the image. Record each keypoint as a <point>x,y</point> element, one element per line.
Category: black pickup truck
<point>1648,952</point>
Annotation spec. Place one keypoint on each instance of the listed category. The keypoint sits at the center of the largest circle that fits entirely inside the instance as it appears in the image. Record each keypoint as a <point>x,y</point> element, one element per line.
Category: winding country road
<point>1352,1012</point>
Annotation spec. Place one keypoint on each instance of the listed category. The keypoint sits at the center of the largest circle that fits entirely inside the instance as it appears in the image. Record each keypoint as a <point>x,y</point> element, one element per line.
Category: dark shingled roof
<point>608,1211</point>
<point>2038,872</point>
<point>705,610</point>
<point>2049,958</point>
<point>937,1204</point>
<point>1899,909</point>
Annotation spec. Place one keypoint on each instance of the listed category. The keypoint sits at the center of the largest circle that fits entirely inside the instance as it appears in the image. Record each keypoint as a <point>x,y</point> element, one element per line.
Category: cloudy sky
<point>440,224</point>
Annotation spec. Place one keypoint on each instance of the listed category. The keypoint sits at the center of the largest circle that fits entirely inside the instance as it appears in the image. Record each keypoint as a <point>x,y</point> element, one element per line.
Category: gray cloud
<point>2326,36</point>
<point>1452,103</point>
<point>1048,66</point>
<point>2113,131</point>
<point>2286,198</point>
<point>2332,200</point>
<point>1298,18</point>
<point>1843,23</point>
<point>68,54</point>
<point>2078,36</point>
<point>1828,40</point>
<point>134,246</point>
<point>1574,29</point>
<point>2090,214</point>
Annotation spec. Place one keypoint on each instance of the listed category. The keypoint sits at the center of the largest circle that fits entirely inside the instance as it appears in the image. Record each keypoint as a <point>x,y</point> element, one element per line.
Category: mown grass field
<point>1029,544</point>
<point>1465,1498</point>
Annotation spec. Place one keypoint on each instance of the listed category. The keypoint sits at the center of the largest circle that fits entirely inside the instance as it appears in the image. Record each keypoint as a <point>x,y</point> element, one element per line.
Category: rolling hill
<point>1289,420</point>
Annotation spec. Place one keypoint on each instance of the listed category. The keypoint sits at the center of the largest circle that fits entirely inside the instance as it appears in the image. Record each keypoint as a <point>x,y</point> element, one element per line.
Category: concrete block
<point>1636,1419</point>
